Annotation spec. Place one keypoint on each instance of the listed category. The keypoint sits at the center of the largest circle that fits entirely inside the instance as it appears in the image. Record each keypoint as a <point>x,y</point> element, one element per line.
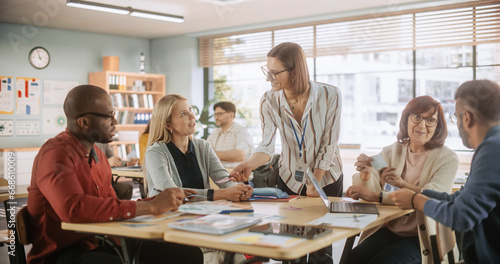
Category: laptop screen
<point>318,188</point>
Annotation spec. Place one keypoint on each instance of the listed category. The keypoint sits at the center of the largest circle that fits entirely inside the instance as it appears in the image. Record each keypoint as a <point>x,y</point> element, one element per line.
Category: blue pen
<point>236,211</point>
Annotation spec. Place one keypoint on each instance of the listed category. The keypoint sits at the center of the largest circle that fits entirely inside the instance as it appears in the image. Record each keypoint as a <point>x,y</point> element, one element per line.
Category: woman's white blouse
<point>321,125</point>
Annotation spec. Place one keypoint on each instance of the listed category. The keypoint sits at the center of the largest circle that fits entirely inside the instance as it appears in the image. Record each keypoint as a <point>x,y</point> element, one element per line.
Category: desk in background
<point>312,208</point>
<point>136,175</point>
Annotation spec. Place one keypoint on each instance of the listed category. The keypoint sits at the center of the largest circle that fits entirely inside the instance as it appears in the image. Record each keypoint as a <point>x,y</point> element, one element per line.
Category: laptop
<point>341,207</point>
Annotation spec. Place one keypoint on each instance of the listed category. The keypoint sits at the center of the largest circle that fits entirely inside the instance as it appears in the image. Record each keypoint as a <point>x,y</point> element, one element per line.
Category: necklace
<point>296,100</point>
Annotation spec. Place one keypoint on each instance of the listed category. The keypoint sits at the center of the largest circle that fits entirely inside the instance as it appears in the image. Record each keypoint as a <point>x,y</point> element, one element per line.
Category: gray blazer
<point>161,172</point>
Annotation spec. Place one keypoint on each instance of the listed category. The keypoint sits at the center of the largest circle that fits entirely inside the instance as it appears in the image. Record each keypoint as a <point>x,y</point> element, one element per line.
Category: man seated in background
<point>232,143</point>
<point>71,182</point>
<point>123,190</point>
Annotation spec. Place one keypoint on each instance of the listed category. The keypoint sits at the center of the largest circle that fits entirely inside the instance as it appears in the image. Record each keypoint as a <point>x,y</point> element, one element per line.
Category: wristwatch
<point>210,194</point>
<point>380,197</point>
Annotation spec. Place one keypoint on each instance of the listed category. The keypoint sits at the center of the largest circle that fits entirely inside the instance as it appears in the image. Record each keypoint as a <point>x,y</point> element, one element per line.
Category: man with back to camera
<point>71,182</point>
<point>232,143</point>
<point>473,211</point>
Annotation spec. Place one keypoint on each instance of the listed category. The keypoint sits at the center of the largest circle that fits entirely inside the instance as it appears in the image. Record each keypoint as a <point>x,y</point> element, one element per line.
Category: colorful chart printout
<point>6,95</point>
<point>28,96</point>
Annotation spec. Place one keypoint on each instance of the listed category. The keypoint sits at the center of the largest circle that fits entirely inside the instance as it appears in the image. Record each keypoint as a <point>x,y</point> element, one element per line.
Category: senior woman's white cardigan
<point>437,174</point>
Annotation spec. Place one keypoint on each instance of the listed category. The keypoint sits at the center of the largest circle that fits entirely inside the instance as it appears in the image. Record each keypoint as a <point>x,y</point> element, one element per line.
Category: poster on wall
<point>28,96</point>
<point>27,127</point>
<point>54,92</point>
<point>6,95</point>
<point>54,120</point>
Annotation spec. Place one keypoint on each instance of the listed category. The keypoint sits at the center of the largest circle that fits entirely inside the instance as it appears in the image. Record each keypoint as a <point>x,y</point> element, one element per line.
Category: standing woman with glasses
<point>417,161</point>
<point>307,115</point>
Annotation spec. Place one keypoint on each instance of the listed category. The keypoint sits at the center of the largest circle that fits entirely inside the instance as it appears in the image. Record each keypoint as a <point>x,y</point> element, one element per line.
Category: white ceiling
<point>201,16</point>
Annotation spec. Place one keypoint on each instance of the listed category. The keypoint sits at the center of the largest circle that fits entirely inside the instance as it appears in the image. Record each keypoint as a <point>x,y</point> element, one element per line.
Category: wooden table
<point>312,208</point>
<point>10,203</point>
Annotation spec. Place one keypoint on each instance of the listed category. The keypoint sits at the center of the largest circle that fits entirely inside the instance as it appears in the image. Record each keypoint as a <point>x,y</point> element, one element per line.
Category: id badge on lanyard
<point>300,166</point>
<point>300,169</point>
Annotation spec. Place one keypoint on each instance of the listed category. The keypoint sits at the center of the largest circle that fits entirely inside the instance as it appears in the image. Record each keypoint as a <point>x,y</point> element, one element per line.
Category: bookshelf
<point>133,96</point>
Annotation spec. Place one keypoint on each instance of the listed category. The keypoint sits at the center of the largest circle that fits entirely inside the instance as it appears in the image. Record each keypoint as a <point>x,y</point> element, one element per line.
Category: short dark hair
<point>420,105</point>
<point>482,97</point>
<point>227,106</point>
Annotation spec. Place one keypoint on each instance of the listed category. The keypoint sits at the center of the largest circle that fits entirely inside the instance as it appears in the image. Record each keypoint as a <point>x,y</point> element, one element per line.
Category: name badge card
<point>300,168</point>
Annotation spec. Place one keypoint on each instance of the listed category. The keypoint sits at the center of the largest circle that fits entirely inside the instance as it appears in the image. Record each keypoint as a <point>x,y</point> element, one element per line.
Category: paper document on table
<point>345,220</point>
<point>378,162</point>
<point>263,240</point>
<point>205,207</point>
<point>153,218</point>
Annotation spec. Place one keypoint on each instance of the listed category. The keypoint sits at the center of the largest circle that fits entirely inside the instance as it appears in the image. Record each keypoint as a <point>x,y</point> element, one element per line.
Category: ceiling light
<point>158,16</point>
<point>125,11</point>
<point>98,7</point>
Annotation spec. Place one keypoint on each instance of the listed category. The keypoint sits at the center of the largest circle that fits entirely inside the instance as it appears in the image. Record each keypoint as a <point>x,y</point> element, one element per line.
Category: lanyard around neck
<point>297,137</point>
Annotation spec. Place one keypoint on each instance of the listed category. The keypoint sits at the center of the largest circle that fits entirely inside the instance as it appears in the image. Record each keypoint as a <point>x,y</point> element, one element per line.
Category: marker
<point>236,211</point>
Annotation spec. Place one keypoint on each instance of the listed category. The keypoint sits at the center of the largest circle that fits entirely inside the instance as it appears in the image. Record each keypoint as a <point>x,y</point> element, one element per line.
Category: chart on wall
<point>54,92</point>
<point>6,95</point>
<point>28,96</point>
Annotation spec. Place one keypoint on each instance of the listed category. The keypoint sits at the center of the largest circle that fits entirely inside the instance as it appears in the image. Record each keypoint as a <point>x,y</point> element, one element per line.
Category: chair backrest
<point>22,226</point>
<point>445,240</point>
<point>3,182</point>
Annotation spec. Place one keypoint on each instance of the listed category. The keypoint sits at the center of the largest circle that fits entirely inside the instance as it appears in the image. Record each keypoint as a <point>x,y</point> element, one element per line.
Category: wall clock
<point>39,57</point>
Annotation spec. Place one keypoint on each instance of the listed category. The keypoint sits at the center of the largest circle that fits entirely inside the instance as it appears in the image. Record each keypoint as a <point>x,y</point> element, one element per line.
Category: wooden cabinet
<point>133,95</point>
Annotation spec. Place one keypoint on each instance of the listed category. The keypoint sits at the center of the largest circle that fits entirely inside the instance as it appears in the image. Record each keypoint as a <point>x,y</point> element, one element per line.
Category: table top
<point>21,192</point>
<point>127,173</point>
<point>311,209</point>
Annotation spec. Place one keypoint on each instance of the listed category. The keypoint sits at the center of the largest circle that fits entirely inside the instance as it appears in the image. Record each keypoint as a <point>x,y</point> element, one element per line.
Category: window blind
<point>469,23</point>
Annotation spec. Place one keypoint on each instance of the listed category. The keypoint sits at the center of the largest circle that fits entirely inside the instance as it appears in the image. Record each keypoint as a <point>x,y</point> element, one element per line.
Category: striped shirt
<point>321,125</point>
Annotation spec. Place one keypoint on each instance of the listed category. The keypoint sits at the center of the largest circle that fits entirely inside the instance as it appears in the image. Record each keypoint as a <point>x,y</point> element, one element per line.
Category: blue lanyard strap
<point>297,137</point>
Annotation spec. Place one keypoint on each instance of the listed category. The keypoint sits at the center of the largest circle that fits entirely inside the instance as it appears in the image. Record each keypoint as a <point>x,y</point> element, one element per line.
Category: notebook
<point>341,207</point>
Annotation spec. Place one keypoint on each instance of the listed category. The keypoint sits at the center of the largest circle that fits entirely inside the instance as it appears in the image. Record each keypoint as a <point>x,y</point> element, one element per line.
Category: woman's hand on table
<point>240,192</point>
<point>358,191</point>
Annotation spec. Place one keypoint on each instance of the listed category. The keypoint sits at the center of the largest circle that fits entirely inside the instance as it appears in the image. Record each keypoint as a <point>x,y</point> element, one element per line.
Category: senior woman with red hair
<point>418,160</point>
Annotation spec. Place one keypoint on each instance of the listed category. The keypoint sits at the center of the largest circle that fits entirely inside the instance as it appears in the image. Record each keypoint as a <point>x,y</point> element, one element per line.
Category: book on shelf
<point>135,101</point>
<point>118,99</point>
<point>151,102</point>
<point>215,224</point>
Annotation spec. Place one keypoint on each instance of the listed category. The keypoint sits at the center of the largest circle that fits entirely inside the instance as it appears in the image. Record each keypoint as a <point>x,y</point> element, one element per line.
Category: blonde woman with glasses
<point>417,161</point>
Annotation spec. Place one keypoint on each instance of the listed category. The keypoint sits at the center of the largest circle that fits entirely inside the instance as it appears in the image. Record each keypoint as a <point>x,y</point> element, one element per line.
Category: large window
<point>378,63</point>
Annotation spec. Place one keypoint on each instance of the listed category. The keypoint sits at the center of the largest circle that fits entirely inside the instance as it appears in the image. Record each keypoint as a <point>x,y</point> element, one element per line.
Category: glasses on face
<point>270,74</point>
<point>219,114</point>
<point>454,118</point>
<point>108,116</point>
<point>430,121</point>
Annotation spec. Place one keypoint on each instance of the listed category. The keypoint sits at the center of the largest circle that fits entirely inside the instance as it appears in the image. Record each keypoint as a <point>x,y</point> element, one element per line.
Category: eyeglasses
<point>271,75</point>
<point>430,121</point>
<point>219,114</point>
<point>108,116</point>
<point>454,118</point>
